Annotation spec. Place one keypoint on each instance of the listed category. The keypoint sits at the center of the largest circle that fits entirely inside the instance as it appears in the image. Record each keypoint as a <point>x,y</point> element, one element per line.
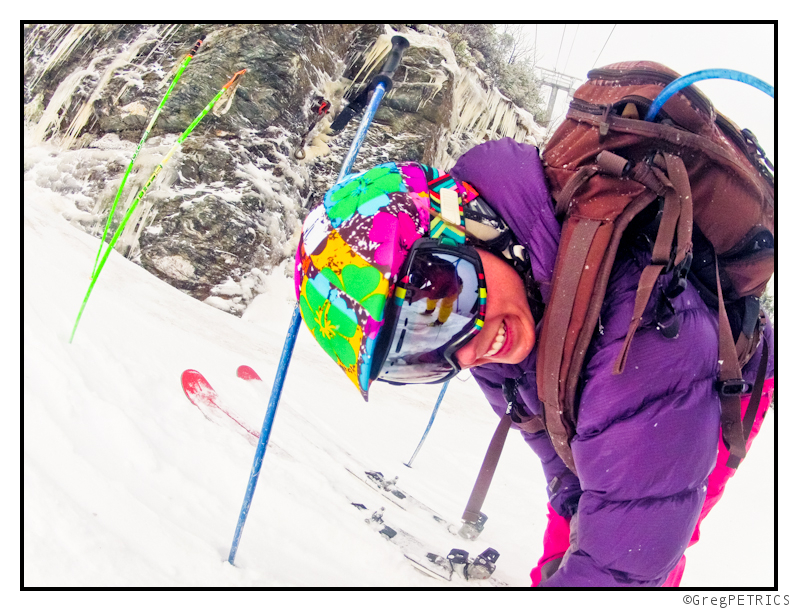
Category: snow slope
<point>126,484</point>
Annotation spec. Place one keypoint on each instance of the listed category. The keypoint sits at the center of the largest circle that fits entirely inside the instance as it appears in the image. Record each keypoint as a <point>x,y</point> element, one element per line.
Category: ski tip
<point>245,372</point>
<point>192,381</point>
<point>189,374</point>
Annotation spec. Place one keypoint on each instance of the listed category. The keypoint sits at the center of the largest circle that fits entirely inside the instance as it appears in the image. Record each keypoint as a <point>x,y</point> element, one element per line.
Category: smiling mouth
<point>498,341</point>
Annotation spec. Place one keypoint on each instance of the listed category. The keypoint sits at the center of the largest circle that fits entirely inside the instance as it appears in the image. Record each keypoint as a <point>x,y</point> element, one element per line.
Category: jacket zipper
<point>600,109</point>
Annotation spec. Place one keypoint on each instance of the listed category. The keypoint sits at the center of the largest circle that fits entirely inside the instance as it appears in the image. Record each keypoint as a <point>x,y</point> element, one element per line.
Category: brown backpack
<point>696,187</point>
<point>692,181</point>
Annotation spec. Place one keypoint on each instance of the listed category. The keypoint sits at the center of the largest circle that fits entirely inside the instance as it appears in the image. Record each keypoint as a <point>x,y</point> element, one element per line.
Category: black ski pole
<point>385,77</point>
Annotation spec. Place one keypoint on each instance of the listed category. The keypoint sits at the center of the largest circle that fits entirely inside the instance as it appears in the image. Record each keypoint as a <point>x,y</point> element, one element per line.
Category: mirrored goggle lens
<point>441,305</point>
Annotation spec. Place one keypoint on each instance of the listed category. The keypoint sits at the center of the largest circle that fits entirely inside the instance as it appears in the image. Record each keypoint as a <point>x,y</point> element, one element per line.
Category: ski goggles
<point>438,306</point>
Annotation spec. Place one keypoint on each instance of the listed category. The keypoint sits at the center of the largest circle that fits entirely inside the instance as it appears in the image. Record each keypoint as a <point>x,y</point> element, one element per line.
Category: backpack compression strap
<point>676,222</point>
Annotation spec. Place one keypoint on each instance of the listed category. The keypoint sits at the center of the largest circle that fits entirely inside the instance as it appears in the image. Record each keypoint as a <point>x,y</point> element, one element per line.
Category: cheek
<point>506,292</point>
<point>507,300</point>
<point>494,308</point>
<point>466,356</point>
<point>531,339</point>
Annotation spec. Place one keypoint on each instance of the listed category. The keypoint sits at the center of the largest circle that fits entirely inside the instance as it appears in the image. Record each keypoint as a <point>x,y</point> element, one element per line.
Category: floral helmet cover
<point>353,246</point>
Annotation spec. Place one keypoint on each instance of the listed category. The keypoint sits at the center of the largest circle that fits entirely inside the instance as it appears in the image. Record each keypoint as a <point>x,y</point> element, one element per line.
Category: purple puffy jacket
<point>647,439</point>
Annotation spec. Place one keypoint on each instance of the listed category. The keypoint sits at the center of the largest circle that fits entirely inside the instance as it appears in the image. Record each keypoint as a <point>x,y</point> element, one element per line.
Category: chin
<point>514,359</point>
<point>523,345</point>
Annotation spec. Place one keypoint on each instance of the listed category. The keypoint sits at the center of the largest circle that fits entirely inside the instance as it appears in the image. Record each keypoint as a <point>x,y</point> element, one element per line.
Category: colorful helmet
<point>353,246</point>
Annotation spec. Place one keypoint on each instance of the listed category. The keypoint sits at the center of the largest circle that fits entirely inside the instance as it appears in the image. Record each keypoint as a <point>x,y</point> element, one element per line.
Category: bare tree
<point>519,49</point>
<point>505,54</point>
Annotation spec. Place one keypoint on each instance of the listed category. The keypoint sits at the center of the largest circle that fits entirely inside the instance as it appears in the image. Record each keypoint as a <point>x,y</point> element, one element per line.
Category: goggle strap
<point>439,229</point>
<point>465,191</point>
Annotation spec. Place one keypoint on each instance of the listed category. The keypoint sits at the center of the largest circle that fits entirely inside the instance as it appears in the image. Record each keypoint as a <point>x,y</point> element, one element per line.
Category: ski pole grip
<point>398,48</point>
<point>196,46</point>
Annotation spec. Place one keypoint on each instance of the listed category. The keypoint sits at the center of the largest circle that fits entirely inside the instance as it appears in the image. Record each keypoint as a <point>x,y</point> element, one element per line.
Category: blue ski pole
<point>381,83</point>
<point>266,430</point>
<point>409,463</point>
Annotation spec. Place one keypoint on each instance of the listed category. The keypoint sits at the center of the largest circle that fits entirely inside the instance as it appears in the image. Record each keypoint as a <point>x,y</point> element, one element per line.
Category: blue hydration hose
<point>689,79</point>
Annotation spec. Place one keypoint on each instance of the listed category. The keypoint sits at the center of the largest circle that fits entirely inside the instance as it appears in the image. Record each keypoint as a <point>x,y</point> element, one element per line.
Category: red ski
<point>201,393</point>
<point>245,372</point>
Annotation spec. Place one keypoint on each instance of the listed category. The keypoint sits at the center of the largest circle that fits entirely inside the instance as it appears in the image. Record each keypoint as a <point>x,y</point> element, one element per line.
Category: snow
<point>126,484</point>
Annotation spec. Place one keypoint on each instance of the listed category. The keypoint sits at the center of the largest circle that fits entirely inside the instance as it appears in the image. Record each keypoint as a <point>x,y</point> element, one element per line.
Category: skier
<point>443,290</point>
<point>647,441</point>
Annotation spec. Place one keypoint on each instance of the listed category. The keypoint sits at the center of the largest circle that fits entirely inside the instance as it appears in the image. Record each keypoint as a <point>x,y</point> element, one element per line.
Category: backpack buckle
<point>732,388</point>
<point>668,322</point>
<point>509,390</point>
<point>679,280</point>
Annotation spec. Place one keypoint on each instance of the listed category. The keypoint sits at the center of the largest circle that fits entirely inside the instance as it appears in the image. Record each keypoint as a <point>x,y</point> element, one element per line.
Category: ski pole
<point>179,72</point>
<point>183,136</point>
<point>383,83</point>
<point>266,430</point>
<point>409,463</point>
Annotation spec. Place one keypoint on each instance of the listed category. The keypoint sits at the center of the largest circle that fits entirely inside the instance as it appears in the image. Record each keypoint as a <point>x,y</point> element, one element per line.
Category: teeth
<point>498,341</point>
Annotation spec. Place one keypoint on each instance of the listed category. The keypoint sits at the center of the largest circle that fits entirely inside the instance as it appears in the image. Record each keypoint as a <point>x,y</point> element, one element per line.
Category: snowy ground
<point>126,484</point>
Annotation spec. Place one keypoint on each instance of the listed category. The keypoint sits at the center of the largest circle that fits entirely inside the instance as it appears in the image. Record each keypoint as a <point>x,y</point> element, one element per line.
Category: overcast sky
<point>574,49</point>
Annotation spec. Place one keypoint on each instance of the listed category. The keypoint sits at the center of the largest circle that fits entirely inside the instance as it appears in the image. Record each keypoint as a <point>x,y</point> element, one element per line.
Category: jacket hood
<point>521,198</point>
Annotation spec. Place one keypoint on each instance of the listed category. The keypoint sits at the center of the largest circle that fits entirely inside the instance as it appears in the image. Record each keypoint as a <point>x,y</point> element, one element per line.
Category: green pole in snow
<point>233,81</point>
<point>180,70</point>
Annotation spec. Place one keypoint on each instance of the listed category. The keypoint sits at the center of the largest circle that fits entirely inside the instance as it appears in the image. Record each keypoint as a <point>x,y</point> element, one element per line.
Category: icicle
<point>60,98</point>
<point>148,159</point>
<point>169,31</point>
<point>373,58</point>
<point>480,114</point>
<point>438,80</point>
<point>65,46</point>
<point>86,110</point>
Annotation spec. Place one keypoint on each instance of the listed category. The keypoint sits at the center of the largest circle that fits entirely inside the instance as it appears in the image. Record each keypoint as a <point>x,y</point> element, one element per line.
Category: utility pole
<point>557,81</point>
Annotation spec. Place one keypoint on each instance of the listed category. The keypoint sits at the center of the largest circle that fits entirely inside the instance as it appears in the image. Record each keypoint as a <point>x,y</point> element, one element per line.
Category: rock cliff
<point>226,208</point>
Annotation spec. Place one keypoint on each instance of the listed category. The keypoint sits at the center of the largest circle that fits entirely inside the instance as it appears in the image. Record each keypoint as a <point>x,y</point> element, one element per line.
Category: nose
<point>467,355</point>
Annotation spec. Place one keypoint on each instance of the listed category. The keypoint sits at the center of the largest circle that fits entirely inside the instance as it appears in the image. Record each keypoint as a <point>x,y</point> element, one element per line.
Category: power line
<point>565,68</point>
<point>605,44</point>
<point>560,49</point>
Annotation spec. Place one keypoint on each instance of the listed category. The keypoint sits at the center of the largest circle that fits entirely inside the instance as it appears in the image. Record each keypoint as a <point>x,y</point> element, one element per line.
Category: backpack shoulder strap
<point>730,385</point>
<point>584,261</point>
<point>756,392</point>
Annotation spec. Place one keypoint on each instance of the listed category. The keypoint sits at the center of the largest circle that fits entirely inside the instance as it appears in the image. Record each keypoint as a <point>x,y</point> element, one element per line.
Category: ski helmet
<point>354,243</point>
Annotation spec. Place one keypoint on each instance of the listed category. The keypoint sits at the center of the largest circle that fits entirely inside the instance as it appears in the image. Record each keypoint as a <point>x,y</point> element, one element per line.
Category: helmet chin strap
<point>517,256</point>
